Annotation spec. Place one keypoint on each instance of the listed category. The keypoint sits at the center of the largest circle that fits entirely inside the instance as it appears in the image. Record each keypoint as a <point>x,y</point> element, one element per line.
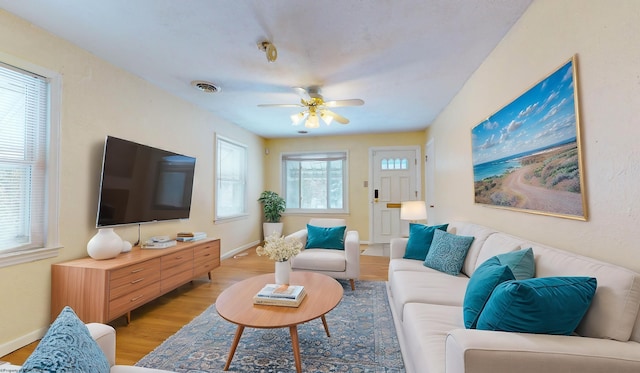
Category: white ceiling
<point>405,58</point>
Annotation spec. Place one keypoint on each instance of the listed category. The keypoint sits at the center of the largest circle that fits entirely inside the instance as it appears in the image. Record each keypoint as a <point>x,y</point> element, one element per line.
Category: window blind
<point>23,155</point>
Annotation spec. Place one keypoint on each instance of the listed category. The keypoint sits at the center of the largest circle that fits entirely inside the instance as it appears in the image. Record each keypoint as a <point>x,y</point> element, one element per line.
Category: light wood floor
<point>154,322</point>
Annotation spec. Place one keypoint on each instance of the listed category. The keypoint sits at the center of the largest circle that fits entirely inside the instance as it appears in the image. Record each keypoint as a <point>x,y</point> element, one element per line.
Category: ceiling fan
<point>316,108</point>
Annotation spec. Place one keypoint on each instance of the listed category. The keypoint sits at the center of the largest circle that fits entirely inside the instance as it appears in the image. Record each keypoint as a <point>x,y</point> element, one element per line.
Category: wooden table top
<point>235,304</point>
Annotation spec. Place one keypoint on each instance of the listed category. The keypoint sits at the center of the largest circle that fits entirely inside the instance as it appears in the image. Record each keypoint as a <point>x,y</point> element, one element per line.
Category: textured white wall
<point>604,36</point>
<point>99,99</point>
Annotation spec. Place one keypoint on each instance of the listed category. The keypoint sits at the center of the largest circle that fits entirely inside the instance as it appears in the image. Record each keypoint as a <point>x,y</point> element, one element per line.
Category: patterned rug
<point>363,339</point>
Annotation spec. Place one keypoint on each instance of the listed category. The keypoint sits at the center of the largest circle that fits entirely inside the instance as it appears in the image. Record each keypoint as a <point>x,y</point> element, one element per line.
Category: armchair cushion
<point>325,237</point>
<point>67,346</point>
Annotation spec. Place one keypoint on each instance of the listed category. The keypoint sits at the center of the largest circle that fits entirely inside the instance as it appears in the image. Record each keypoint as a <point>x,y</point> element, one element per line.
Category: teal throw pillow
<point>520,262</point>
<point>325,238</point>
<point>420,237</point>
<point>546,305</point>
<point>447,252</point>
<point>481,284</point>
<point>67,347</point>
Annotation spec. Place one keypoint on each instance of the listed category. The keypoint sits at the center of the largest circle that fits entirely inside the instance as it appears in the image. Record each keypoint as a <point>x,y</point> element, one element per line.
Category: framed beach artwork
<point>527,156</point>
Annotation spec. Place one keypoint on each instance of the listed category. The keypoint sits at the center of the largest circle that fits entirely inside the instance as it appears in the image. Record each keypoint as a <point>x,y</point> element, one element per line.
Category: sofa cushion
<point>325,237</point>
<point>481,284</point>
<point>420,238</point>
<point>520,263</point>
<point>320,260</point>
<point>548,305</point>
<point>67,347</point>
<point>427,286</point>
<point>447,252</point>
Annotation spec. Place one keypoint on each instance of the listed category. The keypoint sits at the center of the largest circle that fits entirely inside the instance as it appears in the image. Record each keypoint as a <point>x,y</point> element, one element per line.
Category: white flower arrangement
<point>279,248</point>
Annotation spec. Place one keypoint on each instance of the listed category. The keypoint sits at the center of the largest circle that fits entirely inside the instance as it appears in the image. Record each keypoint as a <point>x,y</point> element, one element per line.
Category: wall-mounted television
<point>141,184</point>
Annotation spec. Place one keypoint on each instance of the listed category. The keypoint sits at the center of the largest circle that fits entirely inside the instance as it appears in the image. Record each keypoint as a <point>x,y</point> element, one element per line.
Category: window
<point>315,182</point>
<point>231,196</point>
<point>28,164</point>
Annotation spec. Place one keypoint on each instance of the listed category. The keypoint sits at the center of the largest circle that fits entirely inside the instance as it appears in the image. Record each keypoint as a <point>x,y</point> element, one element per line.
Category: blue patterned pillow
<point>447,252</point>
<point>325,238</point>
<point>67,347</point>
<point>420,238</point>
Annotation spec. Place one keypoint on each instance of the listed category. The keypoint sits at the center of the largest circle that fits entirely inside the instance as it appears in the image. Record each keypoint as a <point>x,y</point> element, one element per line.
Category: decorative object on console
<point>126,246</point>
<point>524,160</point>
<point>106,244</point>
<point>281,250</point>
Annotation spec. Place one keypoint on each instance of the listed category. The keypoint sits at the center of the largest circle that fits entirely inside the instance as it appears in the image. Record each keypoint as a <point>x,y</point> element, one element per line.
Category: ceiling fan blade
<point>281,105</point>
<point>338,118</point>
<point>303,93</point>
<point>351,102</point>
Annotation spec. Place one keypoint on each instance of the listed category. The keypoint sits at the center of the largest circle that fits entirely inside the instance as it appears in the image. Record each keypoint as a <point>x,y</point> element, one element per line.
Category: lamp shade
<point>413,210</point>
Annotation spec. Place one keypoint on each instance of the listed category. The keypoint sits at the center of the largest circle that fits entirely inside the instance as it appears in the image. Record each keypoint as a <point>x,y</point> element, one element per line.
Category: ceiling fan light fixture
<point>326,118</point>
<point>297,118</point>
<point>312,121</point>
<point>269,49</point>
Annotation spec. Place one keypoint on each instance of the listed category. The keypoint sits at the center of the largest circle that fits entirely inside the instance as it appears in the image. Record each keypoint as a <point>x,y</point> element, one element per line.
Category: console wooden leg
<point>326,326</point>
<point>128,317</point>
<point>296,347</point>
<point>353,284</point>
<point>236,339</point>
<point>209,274</point>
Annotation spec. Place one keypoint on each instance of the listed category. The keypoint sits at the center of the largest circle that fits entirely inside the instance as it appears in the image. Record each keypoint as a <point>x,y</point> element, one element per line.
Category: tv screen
<point>142,184</point>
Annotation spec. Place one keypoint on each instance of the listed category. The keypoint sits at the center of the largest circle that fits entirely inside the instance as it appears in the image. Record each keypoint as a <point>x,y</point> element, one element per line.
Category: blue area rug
<point>363,339</point>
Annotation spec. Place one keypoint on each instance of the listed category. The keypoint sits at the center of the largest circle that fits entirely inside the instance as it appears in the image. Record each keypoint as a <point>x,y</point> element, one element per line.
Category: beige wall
<point>99,99</point>
<point>604,36</point>
<point>358,150</point>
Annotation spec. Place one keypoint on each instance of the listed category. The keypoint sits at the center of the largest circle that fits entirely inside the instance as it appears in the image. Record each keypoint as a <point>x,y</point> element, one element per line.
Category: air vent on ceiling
<point>205,87</point>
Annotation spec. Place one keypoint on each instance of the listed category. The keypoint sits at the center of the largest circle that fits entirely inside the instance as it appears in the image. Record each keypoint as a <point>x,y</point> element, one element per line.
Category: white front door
<point>394,178</point>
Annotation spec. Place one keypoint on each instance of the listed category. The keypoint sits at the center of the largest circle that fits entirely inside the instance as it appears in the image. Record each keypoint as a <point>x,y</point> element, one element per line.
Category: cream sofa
<point>105,336</point>
<point>428,314</point>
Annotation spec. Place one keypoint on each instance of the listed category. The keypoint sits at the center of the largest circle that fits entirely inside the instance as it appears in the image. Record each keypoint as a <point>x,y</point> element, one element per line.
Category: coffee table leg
<point>293,329</point>
<point>326,327</point>
<point>236,339</point>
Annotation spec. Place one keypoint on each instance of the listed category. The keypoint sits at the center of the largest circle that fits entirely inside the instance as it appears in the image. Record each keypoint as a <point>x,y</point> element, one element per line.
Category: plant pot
<point>269,228</point>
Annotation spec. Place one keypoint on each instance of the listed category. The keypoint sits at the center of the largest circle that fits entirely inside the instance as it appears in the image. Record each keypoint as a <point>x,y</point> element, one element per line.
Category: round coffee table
<point>235,304</point>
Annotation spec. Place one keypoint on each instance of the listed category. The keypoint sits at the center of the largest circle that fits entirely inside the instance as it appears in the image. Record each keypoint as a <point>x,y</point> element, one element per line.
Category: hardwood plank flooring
<point>154,322</point>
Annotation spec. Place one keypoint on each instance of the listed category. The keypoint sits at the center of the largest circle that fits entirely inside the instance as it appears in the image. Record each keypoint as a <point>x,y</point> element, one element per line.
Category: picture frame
<point>527,156</point>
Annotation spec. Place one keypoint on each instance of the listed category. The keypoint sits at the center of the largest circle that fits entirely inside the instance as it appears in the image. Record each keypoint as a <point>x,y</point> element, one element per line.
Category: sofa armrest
<point>300,235</point>
<point>482,351</point>
<point>105,336</point>
<point>397,247</point>
<point>352,252</point>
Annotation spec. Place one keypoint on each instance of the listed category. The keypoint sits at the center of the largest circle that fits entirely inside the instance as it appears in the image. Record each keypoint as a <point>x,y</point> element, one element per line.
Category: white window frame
<point>218,194</point>
<point>51,240</point>
<point>318,154</point>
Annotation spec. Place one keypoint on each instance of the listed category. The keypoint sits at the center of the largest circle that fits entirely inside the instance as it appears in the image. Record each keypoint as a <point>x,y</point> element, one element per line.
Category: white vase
<point>283,270</point>
<point>106,244</point>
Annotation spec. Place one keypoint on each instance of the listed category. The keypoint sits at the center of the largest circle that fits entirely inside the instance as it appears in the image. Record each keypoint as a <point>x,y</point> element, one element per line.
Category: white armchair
<point>339,264</point>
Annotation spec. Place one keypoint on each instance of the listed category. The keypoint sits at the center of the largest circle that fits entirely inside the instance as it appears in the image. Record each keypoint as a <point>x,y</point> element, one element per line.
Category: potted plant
<point>273,206</point>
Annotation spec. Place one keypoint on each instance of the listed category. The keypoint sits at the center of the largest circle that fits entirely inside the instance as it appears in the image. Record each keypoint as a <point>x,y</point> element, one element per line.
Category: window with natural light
<point>28,172</point>
<point>315,182</point>
<point>231,176</point>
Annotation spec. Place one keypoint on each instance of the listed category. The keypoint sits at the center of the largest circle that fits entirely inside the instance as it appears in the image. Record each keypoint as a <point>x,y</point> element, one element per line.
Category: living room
<point>601,36</point>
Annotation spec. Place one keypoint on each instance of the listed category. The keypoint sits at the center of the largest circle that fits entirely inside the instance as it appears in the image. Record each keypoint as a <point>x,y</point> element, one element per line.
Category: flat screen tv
<point>142,184</point>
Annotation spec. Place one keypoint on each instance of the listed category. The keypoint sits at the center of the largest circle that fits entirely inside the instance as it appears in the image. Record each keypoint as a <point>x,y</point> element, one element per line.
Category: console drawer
<point>132,278</point>
<point>126,303</point>
<point>176,259</point>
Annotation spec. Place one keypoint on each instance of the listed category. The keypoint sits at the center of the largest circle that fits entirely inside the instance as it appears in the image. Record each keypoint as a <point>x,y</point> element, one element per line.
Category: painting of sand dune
<point>527,155</point>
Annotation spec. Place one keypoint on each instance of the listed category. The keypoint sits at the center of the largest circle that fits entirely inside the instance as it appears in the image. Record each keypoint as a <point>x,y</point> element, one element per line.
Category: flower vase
<point>283,270</point>
<point>106,244</point>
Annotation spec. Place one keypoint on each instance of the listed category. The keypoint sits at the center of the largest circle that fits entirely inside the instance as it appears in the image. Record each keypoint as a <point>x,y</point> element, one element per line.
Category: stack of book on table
<point>280,295</point>
<point>190,236</point>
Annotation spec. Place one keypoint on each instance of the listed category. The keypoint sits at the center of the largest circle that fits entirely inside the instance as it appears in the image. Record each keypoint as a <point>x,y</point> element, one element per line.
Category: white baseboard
<point>233,252</point>
<point>9,347</point>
